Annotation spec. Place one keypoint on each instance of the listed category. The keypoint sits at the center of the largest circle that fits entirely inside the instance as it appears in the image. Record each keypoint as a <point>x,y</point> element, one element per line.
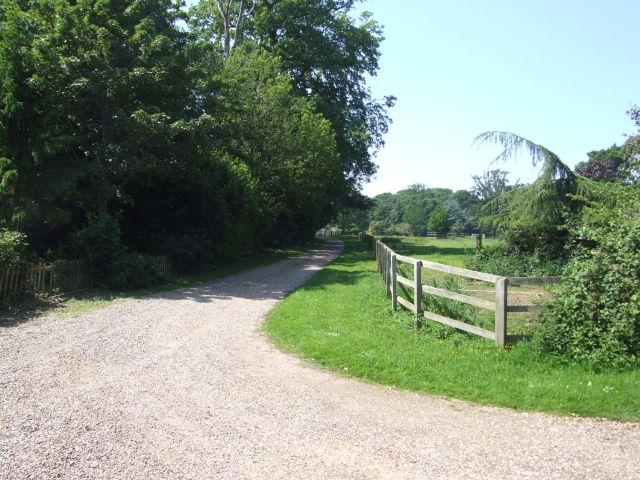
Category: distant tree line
<point>419,209</point>
<point>140,127</point>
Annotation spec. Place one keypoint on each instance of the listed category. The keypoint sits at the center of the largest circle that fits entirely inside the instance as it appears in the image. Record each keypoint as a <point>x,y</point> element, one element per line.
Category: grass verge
<point>91,300</point>
<point>342,320</point>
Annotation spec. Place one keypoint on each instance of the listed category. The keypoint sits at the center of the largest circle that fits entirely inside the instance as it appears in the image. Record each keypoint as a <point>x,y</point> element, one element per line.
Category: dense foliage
<point>607,165</point>
<point>13,248</point>
<point>121,128</point>
<point>595,315</point>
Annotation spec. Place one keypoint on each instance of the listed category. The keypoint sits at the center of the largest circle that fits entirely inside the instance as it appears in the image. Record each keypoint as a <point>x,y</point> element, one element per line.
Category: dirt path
<point>184,385</point>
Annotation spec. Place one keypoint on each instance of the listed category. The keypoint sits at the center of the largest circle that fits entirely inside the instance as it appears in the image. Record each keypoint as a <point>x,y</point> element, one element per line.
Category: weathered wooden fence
<point>162,264</point>
<point>35,278</point>
<point>388,261</point>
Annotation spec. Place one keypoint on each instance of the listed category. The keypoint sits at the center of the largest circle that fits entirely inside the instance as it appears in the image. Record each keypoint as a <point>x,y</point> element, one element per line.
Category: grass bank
<point>90,300</point>
<point>342,320</point>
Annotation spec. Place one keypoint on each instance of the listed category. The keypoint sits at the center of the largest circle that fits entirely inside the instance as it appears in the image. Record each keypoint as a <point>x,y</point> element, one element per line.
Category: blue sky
<point>561,73</point>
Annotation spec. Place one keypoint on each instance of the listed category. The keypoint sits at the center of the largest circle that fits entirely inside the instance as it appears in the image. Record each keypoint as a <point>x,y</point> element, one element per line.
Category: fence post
<point>501,311</point>
<point>387,270</point>
<point>417,293</point>
<point>478,242</point>
<point>394,284</point>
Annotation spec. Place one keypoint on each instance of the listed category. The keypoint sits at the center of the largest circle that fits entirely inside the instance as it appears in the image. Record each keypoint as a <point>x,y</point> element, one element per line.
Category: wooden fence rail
<point>387,261</point>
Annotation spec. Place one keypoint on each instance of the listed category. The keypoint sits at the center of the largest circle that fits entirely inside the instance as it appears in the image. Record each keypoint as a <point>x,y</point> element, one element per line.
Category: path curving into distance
<point>184,385</point>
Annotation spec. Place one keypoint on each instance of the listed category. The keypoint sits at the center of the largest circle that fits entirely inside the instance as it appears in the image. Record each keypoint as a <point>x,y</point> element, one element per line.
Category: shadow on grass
<point>428,250</point>
<point>250,278</point>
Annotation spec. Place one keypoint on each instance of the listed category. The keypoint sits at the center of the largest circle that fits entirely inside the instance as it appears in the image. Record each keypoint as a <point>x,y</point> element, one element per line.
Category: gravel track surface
<point>184,385</point>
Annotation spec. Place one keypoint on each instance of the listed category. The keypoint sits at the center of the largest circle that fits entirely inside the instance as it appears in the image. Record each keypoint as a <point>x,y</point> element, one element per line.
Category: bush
<point>99,246</point>
<point>506,260</point>
<point>376,228</point>
<point>106,260</point>
<point>189,252</point>
<point>13,247</point>
<point>595,315</point>
<point>141,272</point>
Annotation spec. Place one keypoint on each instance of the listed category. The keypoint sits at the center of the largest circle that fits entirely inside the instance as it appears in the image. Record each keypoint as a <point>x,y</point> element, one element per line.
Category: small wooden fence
<point>388,267</point>
<point>36,278</point>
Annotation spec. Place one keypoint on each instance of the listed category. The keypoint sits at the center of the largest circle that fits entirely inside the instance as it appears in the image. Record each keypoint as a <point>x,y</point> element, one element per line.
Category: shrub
<point>106,260</point>
<point>99,246</point>
<point>13,247</point>
<point>506,260</point>
<point>189,252</point>
<point>376,228</point>
<point>595,315</point>
<point>141,272</point>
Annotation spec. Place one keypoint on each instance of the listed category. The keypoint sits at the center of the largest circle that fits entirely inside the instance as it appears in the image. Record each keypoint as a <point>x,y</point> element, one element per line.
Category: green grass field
<point>342,319</point>
<point>453,251</point>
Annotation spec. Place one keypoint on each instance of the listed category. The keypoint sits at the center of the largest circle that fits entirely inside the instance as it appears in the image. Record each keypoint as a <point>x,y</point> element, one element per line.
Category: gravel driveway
<point>184,385</point>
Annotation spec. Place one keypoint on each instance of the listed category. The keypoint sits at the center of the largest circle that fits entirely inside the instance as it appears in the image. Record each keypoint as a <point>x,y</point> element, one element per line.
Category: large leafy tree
<point>107,108</point>
<point>439,220</point>
<point>95,96</point>
<point>288,147</point>
<point>490,184</point>
<point>327,55</point>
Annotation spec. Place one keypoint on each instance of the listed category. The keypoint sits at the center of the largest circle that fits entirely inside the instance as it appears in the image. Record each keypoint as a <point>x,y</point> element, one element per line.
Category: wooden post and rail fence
<point>388,261</point>
<point>38,278</point>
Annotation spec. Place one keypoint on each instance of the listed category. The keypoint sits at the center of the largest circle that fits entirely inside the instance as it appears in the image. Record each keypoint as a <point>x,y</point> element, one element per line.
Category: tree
<point>535,215</point>
<point>376,228</point>
<point>327,55</point>
<point>631,147</point>
<point>470,206</point>
<point>222,20</point>
<point>439,220</point>
<point>383,206</point>
<point>108,107</point>
<point>289,149</point>
<point>95,95</point>
<point>607,165</point>
<point>490,185</point>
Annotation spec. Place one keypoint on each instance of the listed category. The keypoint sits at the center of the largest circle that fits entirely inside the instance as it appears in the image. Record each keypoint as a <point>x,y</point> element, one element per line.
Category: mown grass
<point>342,320</point>
<point>454,251</point>
<point>95,299</point>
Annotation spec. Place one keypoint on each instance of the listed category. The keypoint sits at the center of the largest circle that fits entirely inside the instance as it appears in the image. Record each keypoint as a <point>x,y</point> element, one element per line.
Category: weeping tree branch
<point>553,167</point>
<point>548,198</point>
